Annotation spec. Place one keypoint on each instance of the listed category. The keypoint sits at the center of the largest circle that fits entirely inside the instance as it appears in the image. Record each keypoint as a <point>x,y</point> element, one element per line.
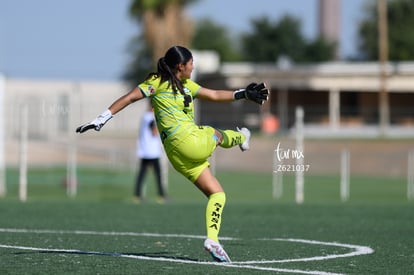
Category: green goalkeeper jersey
<point>174,113</point>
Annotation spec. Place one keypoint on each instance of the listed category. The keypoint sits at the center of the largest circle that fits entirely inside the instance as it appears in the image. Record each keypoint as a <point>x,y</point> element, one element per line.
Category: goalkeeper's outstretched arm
<point>257,93</point>
<point>115,107</point>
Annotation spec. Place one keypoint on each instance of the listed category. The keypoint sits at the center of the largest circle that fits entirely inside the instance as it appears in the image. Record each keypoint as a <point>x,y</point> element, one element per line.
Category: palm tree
<point>164,23</point>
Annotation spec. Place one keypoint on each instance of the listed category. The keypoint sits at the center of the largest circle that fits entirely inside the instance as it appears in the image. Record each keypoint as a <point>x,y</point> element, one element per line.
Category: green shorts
<point>190,156</point>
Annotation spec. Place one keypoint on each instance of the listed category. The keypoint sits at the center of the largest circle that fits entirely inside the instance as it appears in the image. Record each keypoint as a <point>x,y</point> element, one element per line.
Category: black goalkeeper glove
<point>254,92</point>
<point>96,124</point>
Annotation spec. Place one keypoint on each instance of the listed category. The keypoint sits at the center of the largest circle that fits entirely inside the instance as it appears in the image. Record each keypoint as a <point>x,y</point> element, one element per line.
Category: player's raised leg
<point>230,138</point>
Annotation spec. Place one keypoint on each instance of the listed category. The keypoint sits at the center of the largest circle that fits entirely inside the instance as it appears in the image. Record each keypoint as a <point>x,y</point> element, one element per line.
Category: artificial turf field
<point>102,231</point>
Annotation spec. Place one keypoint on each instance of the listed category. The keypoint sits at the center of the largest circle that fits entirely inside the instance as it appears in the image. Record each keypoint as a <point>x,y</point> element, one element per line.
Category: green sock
<point>214,210</point>
<point>231,138</point>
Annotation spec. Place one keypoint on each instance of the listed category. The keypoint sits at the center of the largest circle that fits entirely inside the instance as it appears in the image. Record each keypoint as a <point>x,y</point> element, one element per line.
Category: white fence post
<point>345,162</point>
<point>23,152</point>
<point>299,161</point>
<point>74,117</point>
<point>277,177</point>
<point>410,176</point>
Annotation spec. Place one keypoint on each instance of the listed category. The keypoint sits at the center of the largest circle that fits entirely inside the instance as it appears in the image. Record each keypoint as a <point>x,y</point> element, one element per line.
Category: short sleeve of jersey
<point>192,86</point>
<point>149,86</point>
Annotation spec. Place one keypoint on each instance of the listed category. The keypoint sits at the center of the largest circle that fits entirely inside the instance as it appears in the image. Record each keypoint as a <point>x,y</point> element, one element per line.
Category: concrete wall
<point>55,109</point>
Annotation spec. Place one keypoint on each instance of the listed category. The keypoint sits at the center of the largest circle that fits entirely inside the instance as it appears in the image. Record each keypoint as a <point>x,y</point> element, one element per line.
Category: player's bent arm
<point>117,106</point>
<point>215,95</point>
<point>125,100</point>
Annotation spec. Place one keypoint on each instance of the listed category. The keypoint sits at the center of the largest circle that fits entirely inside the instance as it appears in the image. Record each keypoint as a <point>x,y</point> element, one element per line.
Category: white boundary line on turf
<point>162,259</point>
<point>358,250</point>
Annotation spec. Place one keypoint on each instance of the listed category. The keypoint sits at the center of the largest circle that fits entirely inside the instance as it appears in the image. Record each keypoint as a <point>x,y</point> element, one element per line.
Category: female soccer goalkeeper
<point>186,144</point>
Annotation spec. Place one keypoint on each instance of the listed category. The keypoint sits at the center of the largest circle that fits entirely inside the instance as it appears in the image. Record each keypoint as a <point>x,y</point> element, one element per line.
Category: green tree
<point>141,61</point>
<point>164,24</point>
<point>270,40</point>
<point>400,30</point>
<point>319,50</point>
<point>222,43</point>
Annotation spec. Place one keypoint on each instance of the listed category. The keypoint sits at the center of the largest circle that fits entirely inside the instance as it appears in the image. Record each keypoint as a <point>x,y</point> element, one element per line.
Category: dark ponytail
<point>167,67</point>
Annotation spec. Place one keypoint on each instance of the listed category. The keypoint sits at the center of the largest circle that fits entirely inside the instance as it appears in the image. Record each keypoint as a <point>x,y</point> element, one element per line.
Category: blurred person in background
<point>149,151</point>
<point>187,145</point>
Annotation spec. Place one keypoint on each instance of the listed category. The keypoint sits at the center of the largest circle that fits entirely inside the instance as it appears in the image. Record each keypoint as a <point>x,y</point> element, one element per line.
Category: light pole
<point>384,112</point>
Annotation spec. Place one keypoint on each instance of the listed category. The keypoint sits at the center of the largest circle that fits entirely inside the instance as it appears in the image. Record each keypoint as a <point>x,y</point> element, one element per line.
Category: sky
<point>88,39</point>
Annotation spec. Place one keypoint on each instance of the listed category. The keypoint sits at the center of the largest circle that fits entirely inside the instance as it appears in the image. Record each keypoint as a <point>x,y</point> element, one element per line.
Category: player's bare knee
<point>218,136</point>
